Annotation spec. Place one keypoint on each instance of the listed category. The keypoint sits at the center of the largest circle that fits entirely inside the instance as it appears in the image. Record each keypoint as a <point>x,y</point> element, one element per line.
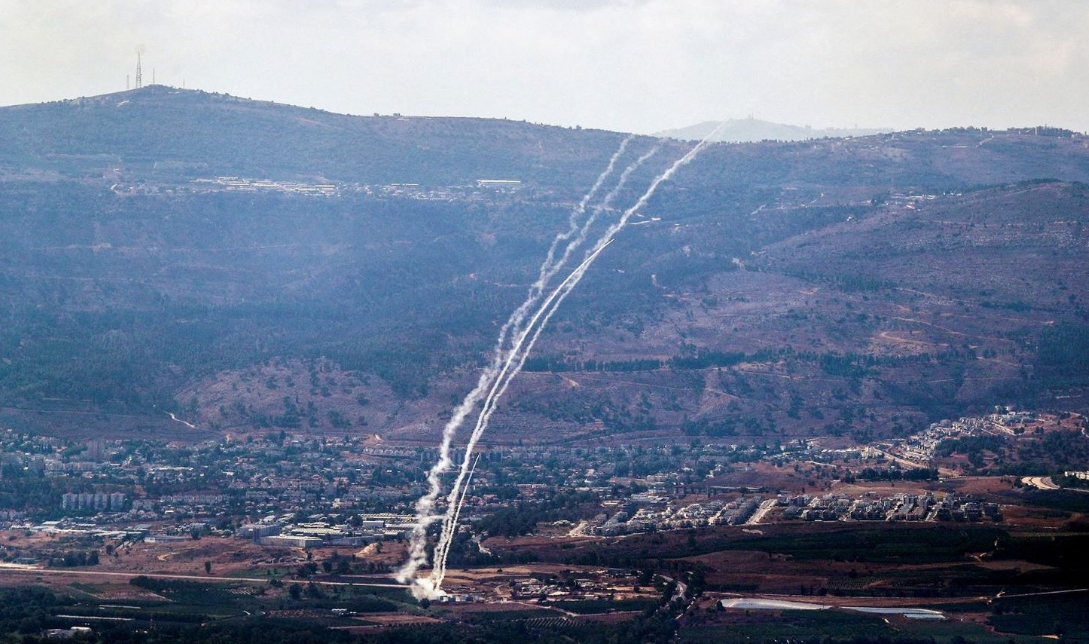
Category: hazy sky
<point>636,65</point>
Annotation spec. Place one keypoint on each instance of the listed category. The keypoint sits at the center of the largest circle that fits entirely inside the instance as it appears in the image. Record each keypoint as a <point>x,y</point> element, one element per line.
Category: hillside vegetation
<point>855,287</point>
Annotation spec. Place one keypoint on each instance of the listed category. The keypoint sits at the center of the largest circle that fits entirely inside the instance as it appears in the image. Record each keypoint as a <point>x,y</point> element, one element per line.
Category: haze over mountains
<point>751,130</point>
<point>252,266</point>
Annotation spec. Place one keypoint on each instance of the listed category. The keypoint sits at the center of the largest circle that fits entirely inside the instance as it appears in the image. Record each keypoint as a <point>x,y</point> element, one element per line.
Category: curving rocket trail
<point>425,505</point>
<point>515,359</point>
<point>550,305</point>
<point>464,493</point>
<point>426,587</point>
<point>499,385</point>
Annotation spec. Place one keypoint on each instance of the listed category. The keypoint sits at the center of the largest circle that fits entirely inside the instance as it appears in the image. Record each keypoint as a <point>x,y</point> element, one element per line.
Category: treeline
<point>849,365</point>
<point>974,447</point>
<point>730,426</point>
<point>1063,353</point>
<point>1056,450</point>
<point>73,559</point>
<point>852,283</point>
<point>1072,481</point>
<point>158,585</point>
<point>25,611</point>
<point>27,489</point>
<point>618,417</point>
<point>697,360</point>
<point>522,518</point>
<point>895,474</point>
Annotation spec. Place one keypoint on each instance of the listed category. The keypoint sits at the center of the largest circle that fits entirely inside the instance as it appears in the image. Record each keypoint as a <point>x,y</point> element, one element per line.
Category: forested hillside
<point>245,265</point>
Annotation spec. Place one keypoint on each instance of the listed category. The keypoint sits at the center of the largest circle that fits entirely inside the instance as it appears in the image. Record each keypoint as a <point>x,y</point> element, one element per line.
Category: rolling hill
<point>245,266</point>
<point>751,130</point>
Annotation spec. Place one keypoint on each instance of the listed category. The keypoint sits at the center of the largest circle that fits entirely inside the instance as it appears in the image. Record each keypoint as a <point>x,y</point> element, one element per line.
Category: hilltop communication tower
<point>139,72</point>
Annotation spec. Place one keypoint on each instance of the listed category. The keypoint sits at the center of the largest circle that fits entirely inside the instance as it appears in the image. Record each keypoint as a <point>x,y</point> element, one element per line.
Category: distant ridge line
<point>751,130</point>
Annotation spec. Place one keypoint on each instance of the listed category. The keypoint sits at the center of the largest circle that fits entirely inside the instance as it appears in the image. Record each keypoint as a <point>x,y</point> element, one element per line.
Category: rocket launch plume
<point>516,357</point>
<point>426,587</point>
<point>512,358</point>
<point>518,360</point>
<point>425,505</point>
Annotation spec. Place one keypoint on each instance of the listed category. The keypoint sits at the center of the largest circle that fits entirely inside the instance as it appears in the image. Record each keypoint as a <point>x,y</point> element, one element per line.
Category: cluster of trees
<point>893,474</point>
<point>852,283</point>
<point>617,416</point>
<point>695,359</point>
<point>27,488</point>
<point>974,447</point>
<point>1064,352</point>
<point>558,364</point>
<point>1072,481</point>
<point>522,518</point>
<point>464,551</point>
<point>158,585</point>
<point>728,426</point>
<point>25,611</point>
<point>1055,450</point>
<point>73,559</point>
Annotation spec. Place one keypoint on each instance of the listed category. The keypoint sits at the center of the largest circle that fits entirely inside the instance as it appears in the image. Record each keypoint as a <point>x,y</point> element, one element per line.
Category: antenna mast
<point>139,72</point>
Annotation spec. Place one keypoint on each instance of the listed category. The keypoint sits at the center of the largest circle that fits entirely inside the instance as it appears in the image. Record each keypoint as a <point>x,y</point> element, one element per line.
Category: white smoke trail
<point>450,519</point>
<point>605,203</point>
<point>551,266</point>
<point>426,587</point>
<point>548,269</point>
<point>434,581</point>
<point>465,490</point>
<point>425,505</point>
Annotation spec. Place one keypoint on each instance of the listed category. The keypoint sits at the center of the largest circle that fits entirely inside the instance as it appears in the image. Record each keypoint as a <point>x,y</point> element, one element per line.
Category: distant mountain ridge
<point>170,133</point>
<point>751,130</point>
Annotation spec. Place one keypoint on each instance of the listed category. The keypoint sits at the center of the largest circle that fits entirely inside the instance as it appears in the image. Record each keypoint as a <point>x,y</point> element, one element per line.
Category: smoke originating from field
<point>513,364</point>
<point>426,587</point>
<point>518,357</point>
<point>425,515</point>
<point>430,587</point>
